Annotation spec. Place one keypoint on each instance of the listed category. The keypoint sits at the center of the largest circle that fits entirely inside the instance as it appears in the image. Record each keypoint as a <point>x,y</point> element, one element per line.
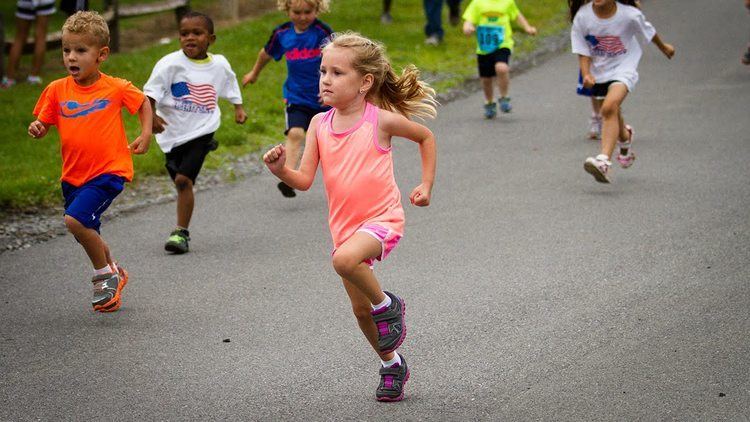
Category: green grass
<point>29,169</point>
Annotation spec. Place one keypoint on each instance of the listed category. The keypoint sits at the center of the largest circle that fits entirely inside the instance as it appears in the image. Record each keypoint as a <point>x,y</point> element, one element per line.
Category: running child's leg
<point>295,139</point>
<point>387,311</point>
<point>348,261</point>
<point>488,88</point>
<point>362,308</point>
<point>596,106</point>
<point>92,242</point>
<point>595,126</point>
<point>40,47</point>
<point>185,200</point>
<point>14,57</point>
<point>503,78</point>
<point>611,118</point>
<point>490,107</point>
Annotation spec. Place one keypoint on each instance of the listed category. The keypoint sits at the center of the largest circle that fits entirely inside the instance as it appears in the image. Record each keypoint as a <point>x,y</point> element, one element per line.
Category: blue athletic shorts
<point>87,202</point>
<point>580,89</point>
<point>300,116</point>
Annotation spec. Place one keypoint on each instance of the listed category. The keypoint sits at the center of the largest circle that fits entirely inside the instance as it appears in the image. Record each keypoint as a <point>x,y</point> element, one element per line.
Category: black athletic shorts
<point>487,61</point>
<point>599,91</point>
<point>187,159</point>
<point>300,116</point>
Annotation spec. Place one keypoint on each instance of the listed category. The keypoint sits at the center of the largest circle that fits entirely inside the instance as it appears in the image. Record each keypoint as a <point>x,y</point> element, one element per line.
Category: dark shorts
<point>300,116</point>
<point>487,62</point>
<point>187,159</point>
<point>599,91</point>
<point>87,202</point>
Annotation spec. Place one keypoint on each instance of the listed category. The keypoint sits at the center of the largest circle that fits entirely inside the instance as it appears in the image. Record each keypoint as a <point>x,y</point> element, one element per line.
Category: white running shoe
<point>595,127</point>
<point>628,159</point>
<point>33,80</point>
<point>598,167</point>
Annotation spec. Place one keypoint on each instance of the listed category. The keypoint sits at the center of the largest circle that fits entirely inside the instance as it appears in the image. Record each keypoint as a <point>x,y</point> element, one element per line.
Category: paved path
<point>534,293</point>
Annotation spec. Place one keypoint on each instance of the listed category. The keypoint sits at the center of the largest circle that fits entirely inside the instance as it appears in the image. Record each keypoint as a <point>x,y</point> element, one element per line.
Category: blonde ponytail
<point>405,94</point>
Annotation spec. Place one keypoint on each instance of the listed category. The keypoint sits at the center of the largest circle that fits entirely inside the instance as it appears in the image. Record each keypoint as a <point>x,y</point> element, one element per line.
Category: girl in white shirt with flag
<point>606,35</point>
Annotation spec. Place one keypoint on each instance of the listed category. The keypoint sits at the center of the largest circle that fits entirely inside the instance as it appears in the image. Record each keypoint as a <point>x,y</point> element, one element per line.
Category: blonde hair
<point>88,23</point>
<point>405,94</point>
<point>321,6</point>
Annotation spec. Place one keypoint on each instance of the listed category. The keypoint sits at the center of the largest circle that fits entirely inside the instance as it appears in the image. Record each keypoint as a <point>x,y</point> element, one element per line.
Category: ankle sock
<point>105,270</point>
<point>388,363</point>
<point>384,304</point>
<point>602,157</point>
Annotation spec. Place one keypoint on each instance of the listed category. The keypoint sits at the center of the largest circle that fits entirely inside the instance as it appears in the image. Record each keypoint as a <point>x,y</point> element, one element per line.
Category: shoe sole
<point>171,247</point>
<point>594,171</point>
<point>115,302</point>
<point>403,330</point>
<point>400,396</point>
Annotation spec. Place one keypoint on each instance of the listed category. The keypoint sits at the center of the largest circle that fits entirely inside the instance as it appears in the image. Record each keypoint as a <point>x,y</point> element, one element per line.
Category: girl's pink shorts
<point>388,240</point>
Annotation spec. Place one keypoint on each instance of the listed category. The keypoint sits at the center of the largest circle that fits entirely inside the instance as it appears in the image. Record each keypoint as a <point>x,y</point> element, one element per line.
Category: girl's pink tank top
<point>358,177</point>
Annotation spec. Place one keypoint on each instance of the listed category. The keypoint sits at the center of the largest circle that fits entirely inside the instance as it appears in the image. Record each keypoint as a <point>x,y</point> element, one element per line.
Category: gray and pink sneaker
<point>392,381</point>
<point>391,324</point>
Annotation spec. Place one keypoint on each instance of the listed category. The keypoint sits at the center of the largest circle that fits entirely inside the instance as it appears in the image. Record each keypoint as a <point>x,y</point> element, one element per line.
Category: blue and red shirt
<point>302,52</point>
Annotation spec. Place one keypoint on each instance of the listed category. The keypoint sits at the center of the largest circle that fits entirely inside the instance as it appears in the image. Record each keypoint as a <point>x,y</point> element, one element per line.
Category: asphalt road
<point>534,293</point>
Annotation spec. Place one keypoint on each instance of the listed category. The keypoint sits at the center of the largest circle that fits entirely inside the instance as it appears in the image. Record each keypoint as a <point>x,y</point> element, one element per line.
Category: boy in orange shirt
<point>85,107</point>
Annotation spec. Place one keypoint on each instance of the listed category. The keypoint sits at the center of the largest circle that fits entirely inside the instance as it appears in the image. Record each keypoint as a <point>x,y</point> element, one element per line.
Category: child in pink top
<point>352,142</point>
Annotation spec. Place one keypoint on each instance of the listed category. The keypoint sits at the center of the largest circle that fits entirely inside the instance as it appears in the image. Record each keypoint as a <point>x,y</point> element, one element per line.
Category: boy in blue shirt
<point>300,40</point>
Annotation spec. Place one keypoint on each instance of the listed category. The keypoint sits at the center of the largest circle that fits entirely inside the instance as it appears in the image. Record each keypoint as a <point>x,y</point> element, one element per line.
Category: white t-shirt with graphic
<point>614,44</point>
<point>186,94</point>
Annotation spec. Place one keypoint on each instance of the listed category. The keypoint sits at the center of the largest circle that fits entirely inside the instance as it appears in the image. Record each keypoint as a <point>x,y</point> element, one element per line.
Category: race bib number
<point>490,37</point>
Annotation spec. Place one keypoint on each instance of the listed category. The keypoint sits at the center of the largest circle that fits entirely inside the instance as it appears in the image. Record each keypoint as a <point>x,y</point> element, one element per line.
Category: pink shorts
<point>388,240</point>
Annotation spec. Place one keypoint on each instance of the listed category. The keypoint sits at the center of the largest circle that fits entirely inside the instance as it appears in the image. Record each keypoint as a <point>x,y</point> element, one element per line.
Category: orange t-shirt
<point>92,134</point>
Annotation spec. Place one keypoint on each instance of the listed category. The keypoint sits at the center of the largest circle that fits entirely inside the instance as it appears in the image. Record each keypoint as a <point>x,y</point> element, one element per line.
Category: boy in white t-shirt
<point>184,89</point>
<point>607,35</point>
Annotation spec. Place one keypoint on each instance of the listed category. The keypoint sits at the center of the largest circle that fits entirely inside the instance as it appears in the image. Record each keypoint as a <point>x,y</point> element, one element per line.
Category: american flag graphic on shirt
<point>606,45</point>
<point>202,95</point>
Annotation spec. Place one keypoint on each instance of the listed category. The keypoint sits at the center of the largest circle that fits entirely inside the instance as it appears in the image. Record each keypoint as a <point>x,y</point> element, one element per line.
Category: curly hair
<point>321,6</point>
<point>405,94</point>
<point>88,23</point>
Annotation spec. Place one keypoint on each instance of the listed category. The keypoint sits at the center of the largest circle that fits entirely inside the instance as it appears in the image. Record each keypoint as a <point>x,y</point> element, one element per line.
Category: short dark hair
<point>206,19</point>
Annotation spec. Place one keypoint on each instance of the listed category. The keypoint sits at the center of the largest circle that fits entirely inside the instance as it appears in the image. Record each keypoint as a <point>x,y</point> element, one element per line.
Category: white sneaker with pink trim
<point>626,160</point>
<point>598,167</point>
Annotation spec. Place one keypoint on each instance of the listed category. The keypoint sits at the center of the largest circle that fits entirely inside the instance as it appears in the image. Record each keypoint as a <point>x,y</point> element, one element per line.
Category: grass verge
<point>30,169</point>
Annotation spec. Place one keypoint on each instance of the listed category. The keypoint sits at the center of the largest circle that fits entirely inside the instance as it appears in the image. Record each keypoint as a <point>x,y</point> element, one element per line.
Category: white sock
<point>602,157</point>
<point>105,270</point>
<point>385,303</point>
<point>388,363</point>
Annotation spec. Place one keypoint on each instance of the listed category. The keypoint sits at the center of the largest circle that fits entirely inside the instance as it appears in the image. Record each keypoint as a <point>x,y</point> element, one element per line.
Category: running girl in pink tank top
<point>352,142</point>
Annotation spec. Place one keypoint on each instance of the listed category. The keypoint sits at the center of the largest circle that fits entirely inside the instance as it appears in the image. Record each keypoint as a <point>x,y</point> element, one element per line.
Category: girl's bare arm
<point>303,178</point>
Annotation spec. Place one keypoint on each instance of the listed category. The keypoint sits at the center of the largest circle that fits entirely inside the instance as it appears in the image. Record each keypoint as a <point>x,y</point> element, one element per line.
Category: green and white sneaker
<point>178,241</point>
